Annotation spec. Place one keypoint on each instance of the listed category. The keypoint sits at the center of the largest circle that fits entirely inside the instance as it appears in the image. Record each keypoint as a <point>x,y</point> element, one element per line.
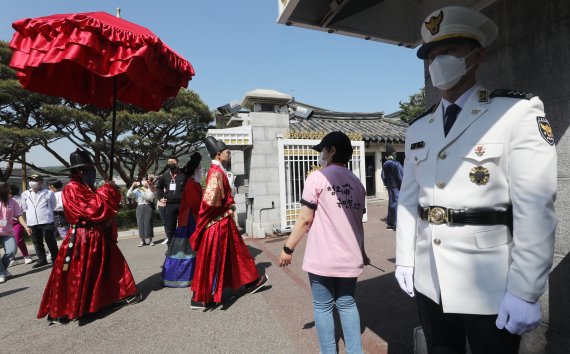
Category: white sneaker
<point>28,260</point>
<point>5,277</point>
<point>2,279</point>
<point>165,241</point>
<point>13,262</point>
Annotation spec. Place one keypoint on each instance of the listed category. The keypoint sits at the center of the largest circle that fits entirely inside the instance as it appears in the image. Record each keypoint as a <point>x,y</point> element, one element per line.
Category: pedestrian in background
<point>179,263</point>
<point>392,173</point>
<point>9,209</point>
<point>38,204</point>
<point>143,193</point>
<point>18,227</point>
<point>169,193</point>
<point>476,219</point>
<point>332,207</point>
<point>61,225</point>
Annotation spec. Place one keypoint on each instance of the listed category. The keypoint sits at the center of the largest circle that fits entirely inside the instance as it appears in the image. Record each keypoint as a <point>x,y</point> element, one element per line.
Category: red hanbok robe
<point>222,258</point>
<point>98,274</point>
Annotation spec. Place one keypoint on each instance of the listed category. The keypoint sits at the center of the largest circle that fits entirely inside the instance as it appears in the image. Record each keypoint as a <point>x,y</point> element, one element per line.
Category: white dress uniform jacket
<point>469,268</point>
<point>38,206</point>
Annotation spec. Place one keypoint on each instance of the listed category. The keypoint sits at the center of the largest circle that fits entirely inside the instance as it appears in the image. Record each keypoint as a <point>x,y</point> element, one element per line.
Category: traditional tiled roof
<point>372,127</point>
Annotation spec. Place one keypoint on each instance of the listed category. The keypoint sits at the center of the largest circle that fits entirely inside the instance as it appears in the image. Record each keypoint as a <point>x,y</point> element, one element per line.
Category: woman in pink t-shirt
<point>9,209</point>
<point>332,206</point>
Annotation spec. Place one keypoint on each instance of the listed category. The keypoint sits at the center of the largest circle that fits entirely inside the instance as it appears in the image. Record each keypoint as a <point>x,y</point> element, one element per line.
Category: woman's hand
<point>285,259</point>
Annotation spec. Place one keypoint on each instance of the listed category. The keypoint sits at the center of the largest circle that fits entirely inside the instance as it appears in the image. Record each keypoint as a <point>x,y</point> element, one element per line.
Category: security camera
<point>303,112</point>
<point>229,108</point>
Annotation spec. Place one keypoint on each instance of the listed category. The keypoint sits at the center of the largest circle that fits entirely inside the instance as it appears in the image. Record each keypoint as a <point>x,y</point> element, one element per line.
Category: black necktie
<point>450,116</point>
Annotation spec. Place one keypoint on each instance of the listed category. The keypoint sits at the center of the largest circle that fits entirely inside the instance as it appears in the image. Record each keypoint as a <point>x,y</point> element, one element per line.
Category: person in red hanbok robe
<point>222,258</point>
<point>90,272</point>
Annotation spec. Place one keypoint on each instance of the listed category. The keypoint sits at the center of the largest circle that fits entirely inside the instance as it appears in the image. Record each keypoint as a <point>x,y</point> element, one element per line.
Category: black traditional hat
<point>78,158</point>
<point>35,177</point>
<point>214,146</point>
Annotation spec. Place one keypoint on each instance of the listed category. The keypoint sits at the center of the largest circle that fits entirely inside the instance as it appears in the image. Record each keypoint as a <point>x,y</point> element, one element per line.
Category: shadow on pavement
<point>13,291</point>
<point>150,284</point>
<point>388,312</point>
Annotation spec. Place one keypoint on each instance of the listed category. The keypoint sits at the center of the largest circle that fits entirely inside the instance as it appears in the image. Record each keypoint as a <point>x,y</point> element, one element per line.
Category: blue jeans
<point>328,291</point>
<point>9,252</point>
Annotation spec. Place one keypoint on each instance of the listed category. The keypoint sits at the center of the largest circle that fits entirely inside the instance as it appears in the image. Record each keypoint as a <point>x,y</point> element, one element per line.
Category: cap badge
<point>545,130</point>
<point>479,150</point>
<point>433,24</point>
<point>479,175</point>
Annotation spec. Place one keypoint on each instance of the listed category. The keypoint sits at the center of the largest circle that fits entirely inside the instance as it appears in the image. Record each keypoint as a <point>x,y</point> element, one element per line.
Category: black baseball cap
<point>337,139</point>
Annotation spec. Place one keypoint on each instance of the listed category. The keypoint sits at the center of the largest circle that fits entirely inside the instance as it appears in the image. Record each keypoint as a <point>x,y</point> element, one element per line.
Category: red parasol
<point>96,58</point>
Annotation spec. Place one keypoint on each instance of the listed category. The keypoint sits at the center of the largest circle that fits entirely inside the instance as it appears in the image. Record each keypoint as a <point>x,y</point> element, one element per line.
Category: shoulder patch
<point>545,130</point>
<point>430,110</point>
<point>511,94</point>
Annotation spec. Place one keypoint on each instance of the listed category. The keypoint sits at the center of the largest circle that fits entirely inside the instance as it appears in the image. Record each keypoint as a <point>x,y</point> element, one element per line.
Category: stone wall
<point>264,172</point>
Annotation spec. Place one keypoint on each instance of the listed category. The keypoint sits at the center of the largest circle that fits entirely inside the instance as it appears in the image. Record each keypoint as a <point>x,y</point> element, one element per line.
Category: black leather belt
<point>480,216</point>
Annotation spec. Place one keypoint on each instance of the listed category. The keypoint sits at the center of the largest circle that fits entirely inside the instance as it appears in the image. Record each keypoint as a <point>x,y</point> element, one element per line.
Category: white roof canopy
<point>389,21</point>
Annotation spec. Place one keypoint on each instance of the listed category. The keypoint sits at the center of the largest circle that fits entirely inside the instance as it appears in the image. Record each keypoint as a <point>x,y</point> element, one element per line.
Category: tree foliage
<point>142,138</point>
<point>21,125</point>
<point>414,107</point>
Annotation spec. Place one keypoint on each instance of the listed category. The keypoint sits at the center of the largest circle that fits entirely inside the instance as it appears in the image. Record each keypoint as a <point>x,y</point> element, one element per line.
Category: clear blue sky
<point>237,46</point>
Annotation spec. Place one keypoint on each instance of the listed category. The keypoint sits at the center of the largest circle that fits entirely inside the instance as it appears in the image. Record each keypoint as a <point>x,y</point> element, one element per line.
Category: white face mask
<point>447,70</point>
<point>33,184</point>
<point>198,174</point>
<point>322,161</point>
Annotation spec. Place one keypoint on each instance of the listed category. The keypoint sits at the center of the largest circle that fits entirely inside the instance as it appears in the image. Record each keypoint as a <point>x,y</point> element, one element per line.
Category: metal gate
<point>296,160</point>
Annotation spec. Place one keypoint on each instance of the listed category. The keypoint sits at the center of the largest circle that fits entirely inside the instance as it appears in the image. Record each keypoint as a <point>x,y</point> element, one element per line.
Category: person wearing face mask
<point>169,193</point>
<point>476,225</point>
<point>180,260</point>
<point>222,258</point>
<point>144,194</point>
<point>90,272</point>
<point>38,204</point>
<point>332,206</point>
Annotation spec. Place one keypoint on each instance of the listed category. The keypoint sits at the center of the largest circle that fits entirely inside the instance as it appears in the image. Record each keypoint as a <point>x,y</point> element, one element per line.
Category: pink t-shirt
<point>336,235</point>
<point>7,215</point>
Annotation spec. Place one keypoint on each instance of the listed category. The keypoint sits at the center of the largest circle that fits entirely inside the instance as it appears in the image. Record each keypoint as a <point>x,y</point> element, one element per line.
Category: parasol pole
<point>114,116</point>
<point>113,137</point>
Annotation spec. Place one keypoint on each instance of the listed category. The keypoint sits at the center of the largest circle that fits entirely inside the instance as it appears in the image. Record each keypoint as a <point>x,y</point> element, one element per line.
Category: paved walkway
<point>276,320</point>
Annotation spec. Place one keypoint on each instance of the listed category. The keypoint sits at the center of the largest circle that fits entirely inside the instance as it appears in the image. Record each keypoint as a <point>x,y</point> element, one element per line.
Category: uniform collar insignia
<point>483,96</point>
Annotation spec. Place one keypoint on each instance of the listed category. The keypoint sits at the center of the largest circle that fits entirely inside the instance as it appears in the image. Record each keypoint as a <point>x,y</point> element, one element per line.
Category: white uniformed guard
<point>38,204</point>
<point>476,220</point>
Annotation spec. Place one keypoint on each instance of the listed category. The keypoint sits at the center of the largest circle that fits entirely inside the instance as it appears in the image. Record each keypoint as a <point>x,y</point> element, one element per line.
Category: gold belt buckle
<point>437,215</point>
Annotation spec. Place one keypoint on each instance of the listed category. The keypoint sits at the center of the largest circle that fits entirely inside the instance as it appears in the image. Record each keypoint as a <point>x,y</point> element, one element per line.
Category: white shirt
<point>58,201</point>
<point>38,206</point>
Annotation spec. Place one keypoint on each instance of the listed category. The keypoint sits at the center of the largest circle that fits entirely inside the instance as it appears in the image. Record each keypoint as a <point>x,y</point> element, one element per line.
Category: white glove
<point>405,277</point>
<point>517,315</point>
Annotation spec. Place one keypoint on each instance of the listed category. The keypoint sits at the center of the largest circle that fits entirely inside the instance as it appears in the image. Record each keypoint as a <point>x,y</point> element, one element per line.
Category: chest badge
<point>479,175</point>
<point>479,150</point>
